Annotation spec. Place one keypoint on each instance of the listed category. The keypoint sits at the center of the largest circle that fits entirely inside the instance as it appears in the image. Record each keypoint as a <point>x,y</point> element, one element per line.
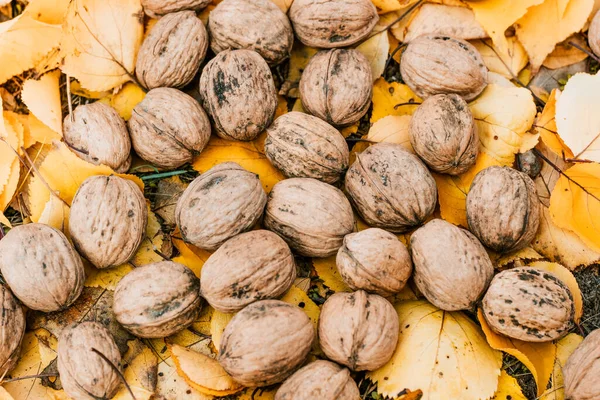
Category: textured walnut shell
<point>97,134</point>
<point>265,343</point>
<point>84,374</point>
<point>528,304</point>
<point>436,64</point>
<point>374,260</point>
<point>335,23</point>
<point>168,127</point>
<point>582,368</point>
<point>238,92</point>
<point>303,146</point>
<point>321,380</point>
<point>223,202</point>
<point>358,330</point>
<point>157,300</point>
<point>257,25</point>
<point>253,266</point>
<point>12,330</point>
<point>172,52</point>
<point>119,220</point>
<point>391,188</point>
<point>442,132</point>
<point>311,216</point>
<point>452,269</point>
<point>503,208</point>
<point>154,8</point>
<point>594,34</point>
<point>337,86</point>
<point>41,267</point>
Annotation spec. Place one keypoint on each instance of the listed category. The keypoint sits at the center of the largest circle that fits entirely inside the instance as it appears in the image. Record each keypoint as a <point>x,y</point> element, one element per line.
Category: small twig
<point>157,251</point>
<point>410,103</point>
<point>391,57</point>
<point>117,370</point>
<point>586,51</point>
<point>400,18</point>
<point>22,378</point>
<point>69,101</point>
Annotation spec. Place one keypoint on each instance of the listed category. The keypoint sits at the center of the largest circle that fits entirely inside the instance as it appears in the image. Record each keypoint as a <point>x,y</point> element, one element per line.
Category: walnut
<point>168,127</point>
<point>321,380</point>
<point>437,64</point>
<point>594,34</point>
<point>118,227</point>
<point>337,86</point>
<point>303,146</point>
<point>12,327</point>
<point>452,269</point>
<point>335,23</point>
<point>529,304</point>
<point>172,52</point>
<point>97,134</point>
<point>257,25</point>
<point>311,216</point>
<point>374,260</point>
<point>581,370</point>
<point>223,202</point>
<point>265,343</point>
<point>253,266</point>
<point>391,188</point>
<point>238,92</point>
<point>358,330</point>
<point>41,267</point>
<point>155,8</point>
<point>84,374</point>
<point>503,208</point>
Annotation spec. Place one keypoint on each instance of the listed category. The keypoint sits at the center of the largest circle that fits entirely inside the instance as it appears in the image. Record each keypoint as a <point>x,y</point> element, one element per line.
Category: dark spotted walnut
<point>529,304</point>
<point>581,370</point>
<point>12,330</point>
<point>155,8</point>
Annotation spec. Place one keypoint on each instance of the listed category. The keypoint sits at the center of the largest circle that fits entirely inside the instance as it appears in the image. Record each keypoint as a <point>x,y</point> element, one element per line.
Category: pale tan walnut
<point>84,374</point>
<point>303,146</point>
<point>594,34</point>
<point>41,267</point>
<point>108,220</point>
<point>391,188</point>
<point>374,260</point>
<point>452,268</point>
<point>337,86</point>
<point>257,25</point>
<point>238,93</point>
<point>168,128</point>
<point>155,8</point>
<point>311,216</point>
<point>358,330</point>
<point>157,300</point>
<point>503,209</point>
<point>321,380</point>
<point>529,304</point>
<point>255,265</point>
<point>12,330</point>
<point>437,64</point>
<point>335,23</point>
<point>443,133</point>
<point>265,343</point>
<point>97,134</point>
<point>582,368</point>
<point>172,52</point>
<point>223,202</point>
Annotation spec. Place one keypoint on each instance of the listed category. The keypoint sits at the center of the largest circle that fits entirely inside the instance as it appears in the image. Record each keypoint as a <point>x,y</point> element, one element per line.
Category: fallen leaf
<point>37,132</point>
<point>168,191</point>
<point>56,214</point>
<point>42,98</point>
<point>545,80</point>
<point>564,348</point>
<point>299,59</point>
<point>545,126</point>
<point>190,256</point>
<point>385,6</point>
<point>386,96</point>
<point>284,5</point>
<point>439,19</point>
<point>507,63</point>
<point>565,54</point>
<point>218,323</point>
<point>299,298</point>
<point>10,188</point>
<point>376,50</point>
<point>78,90</point>
<point>391,129</point>
<point>8,150</point>
<point>48,11</point>
<point>327,271</point>
<point>125,99</point>
<point>517,258</point>
<point>140,372</point>
<point>508,388</point>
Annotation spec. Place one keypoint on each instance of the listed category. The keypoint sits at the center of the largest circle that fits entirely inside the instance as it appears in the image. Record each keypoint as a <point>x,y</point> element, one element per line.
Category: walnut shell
<point>238,92</point>
<point>223,202</point>
<point>97,134</point>
<point>503,208</point>
<point>172,52</point>
<point>334,23</point>
<point>154,8</point>
<point>358,330</point>
<point>118,227</point>
<point>168,127</point>
<point>391,188</point>
<point>265,342</point>
<point>581,370</point>
<point>303,146</point>
<point>157,300</point>
<point>437,64</point>
<point>311,216</point>
<point>452,269</point>
<point>337,86</point>
<point>257,25</point>
<point>41,267</point>
<point>442,132</point>
<point>321,380</point>
<point>84,374</point>
<point>374,260</point>
<point>12,330</point>
<point>594,34</point>
<point>529,304</point>
<point>253,266</point>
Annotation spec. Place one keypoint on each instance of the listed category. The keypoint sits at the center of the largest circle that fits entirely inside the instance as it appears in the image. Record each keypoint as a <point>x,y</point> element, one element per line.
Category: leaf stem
<point>21,378</point>
<point>400,18</point>
<point>589,53</point>
<point>163,175</point>
<point>117,370</point>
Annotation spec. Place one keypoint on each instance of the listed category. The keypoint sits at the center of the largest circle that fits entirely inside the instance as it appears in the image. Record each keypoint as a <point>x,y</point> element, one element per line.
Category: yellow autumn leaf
<point>508,388</point>
<point>391,129</point>
<point>388,96</point>
<point>440,19</point>
<point>376,49</point>
<point>141,368</point>
<point>545,126</point>
<point>11,185</point>
<point>518,258</point>
<point>507,63</point>
<point>190,255</point>
<point>300,299</point>
<point>284,5</point>
<point>37,132</point>
<point>564,54</point>
<point>564,348</point>
<point>299,59</point>
<point>9,144</point>
<point>218,323</point>
<point>385,6</point>
<point>125,99</point>
<point>42,98</point>
<point>48,11</point>
<point>78,90</point>
<point>327,271</point>
<point>56,214</point>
